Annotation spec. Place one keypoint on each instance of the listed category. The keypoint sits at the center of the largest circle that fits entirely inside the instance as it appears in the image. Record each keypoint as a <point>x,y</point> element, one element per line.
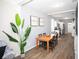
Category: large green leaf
<point>22,23</point>
<point>18,20</point>
<point>14,28</point>
<point>10,37</point>
<point>27,32</point>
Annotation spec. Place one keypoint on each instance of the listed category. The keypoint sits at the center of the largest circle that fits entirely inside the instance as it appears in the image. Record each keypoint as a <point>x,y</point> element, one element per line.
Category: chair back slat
<point>44,33</point>
<point>39,35</point>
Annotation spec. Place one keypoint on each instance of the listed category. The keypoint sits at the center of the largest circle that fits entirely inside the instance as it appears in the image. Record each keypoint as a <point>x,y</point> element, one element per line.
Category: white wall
<point>53,24</point>
<point>27,12</point>
<point>8,9</point>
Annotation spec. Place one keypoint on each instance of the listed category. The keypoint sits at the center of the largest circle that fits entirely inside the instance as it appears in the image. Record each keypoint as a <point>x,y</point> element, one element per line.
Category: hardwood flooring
<point>64,50</point>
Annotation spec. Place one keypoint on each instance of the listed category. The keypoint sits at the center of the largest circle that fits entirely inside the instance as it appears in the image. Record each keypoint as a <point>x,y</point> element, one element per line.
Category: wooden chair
<point>40,43</point>
<point>44,43</point>
<point>54,41</point>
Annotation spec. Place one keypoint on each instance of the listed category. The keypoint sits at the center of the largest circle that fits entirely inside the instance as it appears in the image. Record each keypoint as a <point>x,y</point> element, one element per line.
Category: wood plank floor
<point>64,50</point>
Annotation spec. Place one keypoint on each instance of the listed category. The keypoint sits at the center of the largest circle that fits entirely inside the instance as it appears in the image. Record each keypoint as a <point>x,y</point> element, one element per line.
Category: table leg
<point>48,46</point>
<point>37,43</point>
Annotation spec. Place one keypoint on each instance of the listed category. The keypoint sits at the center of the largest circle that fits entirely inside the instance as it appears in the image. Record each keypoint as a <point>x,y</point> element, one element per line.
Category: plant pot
<point>22,56</point>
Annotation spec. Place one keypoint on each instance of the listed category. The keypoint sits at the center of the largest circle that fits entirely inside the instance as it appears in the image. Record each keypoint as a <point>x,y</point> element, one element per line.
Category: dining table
<point>44,38</point>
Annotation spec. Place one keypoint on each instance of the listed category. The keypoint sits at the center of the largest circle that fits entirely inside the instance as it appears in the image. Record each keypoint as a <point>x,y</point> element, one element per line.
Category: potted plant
<point>22,36</point>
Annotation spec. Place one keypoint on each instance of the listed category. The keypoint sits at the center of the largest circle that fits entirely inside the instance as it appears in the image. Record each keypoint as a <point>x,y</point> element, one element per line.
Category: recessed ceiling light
<point>56,5</point>
<point>66,18</point>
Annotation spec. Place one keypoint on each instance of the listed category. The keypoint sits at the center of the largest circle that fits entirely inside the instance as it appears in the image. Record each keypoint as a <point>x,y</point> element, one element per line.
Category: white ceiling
<point>61,9</point>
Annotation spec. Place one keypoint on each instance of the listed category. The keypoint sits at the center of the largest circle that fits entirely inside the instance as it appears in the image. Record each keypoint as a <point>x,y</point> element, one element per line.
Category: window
<point>36,21</point>
<point>41,22</point>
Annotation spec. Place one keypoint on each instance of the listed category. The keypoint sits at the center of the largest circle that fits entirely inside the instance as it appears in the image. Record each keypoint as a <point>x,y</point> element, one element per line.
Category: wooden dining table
<point>45,38</point>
